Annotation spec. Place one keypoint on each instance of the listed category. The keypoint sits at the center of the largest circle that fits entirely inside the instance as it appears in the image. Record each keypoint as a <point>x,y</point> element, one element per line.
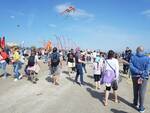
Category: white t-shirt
<point>94,54</point>
<point>114,64</point>
<point>98,67</point>
<point>36,58</point>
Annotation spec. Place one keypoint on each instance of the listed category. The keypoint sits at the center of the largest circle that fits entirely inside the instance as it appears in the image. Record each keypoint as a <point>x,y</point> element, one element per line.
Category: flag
<point>2,42</point>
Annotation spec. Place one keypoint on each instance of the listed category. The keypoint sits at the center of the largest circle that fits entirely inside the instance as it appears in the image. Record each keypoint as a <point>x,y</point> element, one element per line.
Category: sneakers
<point>15,80</point>
<point>82,85</point>
<point>142,110</point>
<point>4,77</point>
<point>20,77</point>
<point>135,106</point>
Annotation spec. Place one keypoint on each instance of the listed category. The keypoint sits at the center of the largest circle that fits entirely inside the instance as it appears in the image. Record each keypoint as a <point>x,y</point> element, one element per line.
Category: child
<point>97,68</point>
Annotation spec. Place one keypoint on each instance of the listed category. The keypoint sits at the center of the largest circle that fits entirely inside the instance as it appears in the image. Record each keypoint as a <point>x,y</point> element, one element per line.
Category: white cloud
<point>12,16</point>
<point>78,13</point>
<point>146,13</point>
<point>52,25</point>
<point>81,13</point>
<point>61,7</point>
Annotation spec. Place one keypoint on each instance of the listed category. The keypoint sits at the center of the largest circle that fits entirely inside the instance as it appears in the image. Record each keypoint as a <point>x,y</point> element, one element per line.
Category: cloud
<point>79,13</point>
<point>146,13</point>
<point>12,17</point>
<point>52,25</point>
<point>15,14</point>
<point>61,7</point>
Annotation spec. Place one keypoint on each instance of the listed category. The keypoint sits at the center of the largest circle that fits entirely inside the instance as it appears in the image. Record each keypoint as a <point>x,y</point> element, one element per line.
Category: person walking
<point>139,67</point>
<point>126,56</point>
<point>83,55</point>
<point>55,63</point>
<point>71,62</point>
<point>3,61</point>
<point>79,69</point>
<point>111,76</point>
<point>97,69</point>
<point>16,63</point>
<point>32,67</point>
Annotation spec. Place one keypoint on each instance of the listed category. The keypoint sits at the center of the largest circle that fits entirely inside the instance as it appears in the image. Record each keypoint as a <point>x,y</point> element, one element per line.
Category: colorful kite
<point>69,10</point>
<point>48,45</point>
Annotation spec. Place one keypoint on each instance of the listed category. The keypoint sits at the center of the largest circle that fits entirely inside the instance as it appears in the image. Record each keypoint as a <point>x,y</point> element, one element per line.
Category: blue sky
<point>98,24</point>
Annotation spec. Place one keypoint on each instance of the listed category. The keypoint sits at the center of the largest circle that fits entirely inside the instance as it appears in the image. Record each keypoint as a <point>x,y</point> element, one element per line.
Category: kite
<point>69,10</point>
<point>18,25</point>
<point>48,45</point>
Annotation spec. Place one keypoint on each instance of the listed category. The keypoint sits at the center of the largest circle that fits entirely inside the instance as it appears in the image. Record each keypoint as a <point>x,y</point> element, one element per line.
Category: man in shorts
<point>55,63</point>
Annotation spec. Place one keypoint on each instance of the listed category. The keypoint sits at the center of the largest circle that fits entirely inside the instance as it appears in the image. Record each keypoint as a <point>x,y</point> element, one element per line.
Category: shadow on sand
<point>90,76</point>
<point>70,79</point>
<point>100,97</point>
<point>95,94</point>
<point>8,74</point>
<point>118,111</point>
<point>85,83</point>
<point>65,72</point>
<point>48,79</point>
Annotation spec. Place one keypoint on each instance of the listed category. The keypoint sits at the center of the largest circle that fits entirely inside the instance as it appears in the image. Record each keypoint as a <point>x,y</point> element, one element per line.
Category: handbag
<point>114,83</point>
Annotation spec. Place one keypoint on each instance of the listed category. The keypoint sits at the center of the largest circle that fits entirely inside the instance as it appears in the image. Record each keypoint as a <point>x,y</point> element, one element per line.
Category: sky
<point>95,24</point>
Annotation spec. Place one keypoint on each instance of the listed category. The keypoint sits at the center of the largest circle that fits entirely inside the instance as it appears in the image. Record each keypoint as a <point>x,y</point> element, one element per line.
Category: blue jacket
<point>140,65</point>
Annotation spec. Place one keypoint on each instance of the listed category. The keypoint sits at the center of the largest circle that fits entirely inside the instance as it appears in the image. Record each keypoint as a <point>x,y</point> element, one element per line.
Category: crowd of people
<point>105,67</point>
<point>16,57</point>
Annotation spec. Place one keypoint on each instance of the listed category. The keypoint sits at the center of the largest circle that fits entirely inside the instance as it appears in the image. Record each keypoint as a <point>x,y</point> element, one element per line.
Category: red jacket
<point>4,55</point>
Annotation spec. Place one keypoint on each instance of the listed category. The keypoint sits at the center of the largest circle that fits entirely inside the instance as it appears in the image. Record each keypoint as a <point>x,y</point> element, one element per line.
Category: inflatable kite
<point>48,45</point>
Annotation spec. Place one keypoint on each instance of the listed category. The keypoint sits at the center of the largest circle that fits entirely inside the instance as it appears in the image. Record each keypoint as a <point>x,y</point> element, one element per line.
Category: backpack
<point>7,60</point>
<point>55,59</point>
<point>31,61</point>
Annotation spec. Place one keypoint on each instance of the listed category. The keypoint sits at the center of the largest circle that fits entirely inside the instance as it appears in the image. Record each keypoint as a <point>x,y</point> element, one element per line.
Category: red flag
<point>0,41</point>
<point>3,42</point>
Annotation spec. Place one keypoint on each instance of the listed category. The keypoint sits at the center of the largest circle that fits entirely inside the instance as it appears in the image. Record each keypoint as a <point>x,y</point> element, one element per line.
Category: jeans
<point>84,67</point>
<point>139,91</point>
<point>3,66</point>
<point>45,58</point>
<point>17,67</point>
<point>79,72</point>
<point>125,68</point>
<point>26,71</point>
